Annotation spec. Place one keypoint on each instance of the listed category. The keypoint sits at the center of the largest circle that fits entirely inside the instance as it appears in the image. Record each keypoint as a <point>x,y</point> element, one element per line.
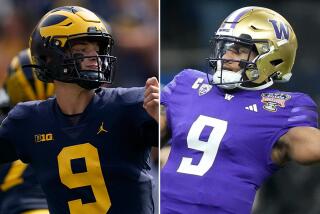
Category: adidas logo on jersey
<point>252,108</point>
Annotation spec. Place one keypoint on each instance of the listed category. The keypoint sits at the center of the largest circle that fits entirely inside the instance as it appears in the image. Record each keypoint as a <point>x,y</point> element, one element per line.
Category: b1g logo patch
<point>38,138</point>
<point>273,100</point>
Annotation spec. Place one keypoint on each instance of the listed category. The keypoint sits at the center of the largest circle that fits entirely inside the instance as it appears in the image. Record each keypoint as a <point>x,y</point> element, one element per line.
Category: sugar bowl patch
<point>273,100</point>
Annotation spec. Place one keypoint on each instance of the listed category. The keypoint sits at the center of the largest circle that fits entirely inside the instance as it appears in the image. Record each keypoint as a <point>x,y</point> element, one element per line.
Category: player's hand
<point>151,98</point>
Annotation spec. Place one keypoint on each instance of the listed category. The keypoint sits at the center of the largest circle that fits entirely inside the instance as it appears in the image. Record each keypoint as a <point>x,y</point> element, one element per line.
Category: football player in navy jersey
<point>20,191</point>
<point>228,129</point>
<point>89,146</point>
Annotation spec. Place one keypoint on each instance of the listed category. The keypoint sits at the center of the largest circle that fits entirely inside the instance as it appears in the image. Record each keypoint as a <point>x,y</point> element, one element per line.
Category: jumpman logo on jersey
<point>101,129</point>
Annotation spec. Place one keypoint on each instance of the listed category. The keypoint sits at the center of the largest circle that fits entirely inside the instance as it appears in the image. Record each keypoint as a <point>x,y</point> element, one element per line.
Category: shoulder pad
<point>23,110</point>
<point>130,95</point>
<point>190,73</point>
<point>122,95</point>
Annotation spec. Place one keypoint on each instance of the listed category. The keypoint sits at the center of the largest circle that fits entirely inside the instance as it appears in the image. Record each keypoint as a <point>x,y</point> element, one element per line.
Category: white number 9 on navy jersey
<point>209,148</point>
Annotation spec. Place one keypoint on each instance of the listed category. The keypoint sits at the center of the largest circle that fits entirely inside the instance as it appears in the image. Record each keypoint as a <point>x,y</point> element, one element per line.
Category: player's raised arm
<point>300,144</point>
<point>301,140</point>
<point>151,98</point>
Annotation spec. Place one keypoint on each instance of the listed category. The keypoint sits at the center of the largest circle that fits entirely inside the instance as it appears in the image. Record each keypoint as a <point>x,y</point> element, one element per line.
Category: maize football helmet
<point>268,38</point>
<point>22,84</point>
<point>53,37</point>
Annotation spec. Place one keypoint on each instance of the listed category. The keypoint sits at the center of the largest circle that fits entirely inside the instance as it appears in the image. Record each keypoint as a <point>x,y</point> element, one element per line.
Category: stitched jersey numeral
<point>92,177</point>
<point>209,147</point>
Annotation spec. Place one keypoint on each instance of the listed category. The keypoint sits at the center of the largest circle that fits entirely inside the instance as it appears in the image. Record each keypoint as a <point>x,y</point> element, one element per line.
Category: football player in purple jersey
<point>229,130</point>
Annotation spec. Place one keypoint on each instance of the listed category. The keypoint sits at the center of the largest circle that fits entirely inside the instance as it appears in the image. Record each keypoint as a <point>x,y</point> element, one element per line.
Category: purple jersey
<point>222,141</point>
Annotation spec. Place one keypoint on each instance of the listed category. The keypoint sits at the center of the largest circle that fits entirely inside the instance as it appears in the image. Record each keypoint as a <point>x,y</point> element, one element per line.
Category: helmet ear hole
<point>276,62</point>
<point>245,36</point>
<point>255,50</point>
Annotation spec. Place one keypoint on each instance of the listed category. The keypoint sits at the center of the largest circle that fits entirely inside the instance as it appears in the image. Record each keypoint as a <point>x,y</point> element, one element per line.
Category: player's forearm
<point>304,145</point>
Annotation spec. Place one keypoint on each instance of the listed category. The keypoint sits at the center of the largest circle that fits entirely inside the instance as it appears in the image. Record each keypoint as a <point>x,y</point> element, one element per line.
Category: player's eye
<point>234,48</point>
<point>244,50</point>
<point>78,49</point>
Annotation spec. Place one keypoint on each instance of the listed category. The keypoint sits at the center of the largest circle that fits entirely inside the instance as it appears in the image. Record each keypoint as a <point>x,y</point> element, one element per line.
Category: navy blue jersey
<point>100,164</point>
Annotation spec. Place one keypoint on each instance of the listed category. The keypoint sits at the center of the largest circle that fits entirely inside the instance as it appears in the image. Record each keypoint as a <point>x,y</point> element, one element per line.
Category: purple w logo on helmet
<point>281,30</point>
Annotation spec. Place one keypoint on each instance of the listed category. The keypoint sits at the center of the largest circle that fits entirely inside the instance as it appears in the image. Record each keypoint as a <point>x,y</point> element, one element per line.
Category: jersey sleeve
<point>303,113</point>
<point>7,149</point>
<point>149,132</point>
<point>11,132</point>
<point>168,90</point>
<point>181,81</point>
<point>146,126</point>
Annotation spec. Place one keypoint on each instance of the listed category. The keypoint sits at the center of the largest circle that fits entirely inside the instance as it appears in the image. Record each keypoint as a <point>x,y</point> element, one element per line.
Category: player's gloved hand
<point>151,98</point>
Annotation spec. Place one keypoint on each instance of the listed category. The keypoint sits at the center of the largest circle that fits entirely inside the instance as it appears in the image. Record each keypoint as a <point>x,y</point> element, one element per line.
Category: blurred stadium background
<point>187,26</point>
<point>134,25</point>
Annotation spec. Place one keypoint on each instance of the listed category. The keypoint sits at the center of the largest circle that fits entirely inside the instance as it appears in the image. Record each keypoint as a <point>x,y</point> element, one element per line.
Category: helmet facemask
<point>51,41</point>
<point>64,66</point>
<point>230,79</point>
<point>90,78</point>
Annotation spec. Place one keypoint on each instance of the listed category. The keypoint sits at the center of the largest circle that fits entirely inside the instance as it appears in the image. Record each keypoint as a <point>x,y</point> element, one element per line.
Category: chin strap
<point>260,87</point>
<point>226,79</point>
